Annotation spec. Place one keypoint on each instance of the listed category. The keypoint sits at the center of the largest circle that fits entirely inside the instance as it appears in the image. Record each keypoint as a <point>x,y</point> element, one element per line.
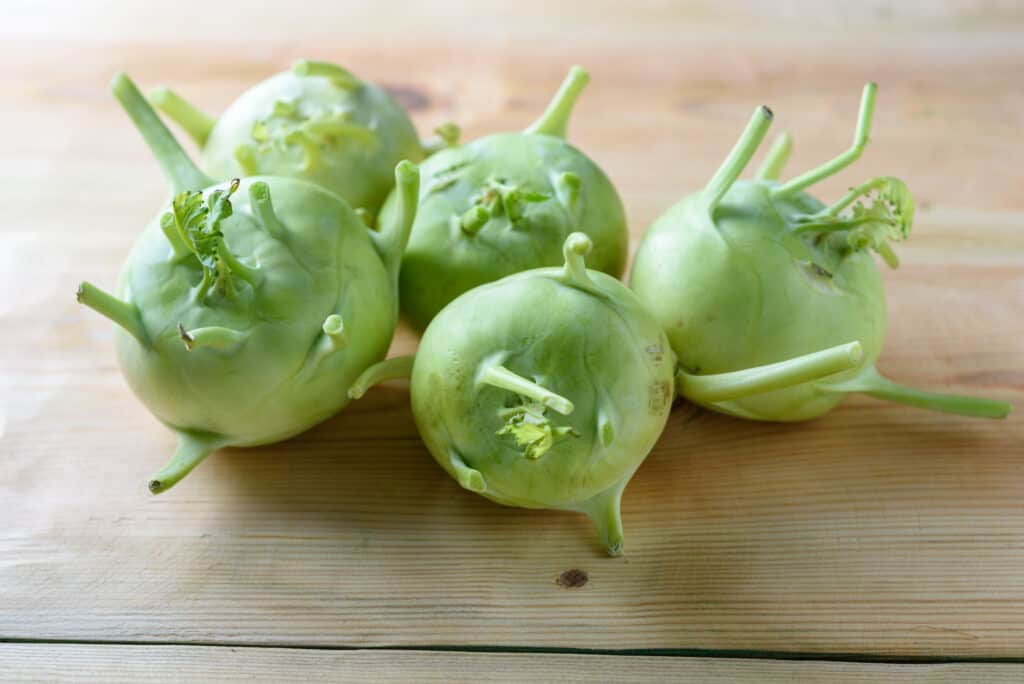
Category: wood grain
<point>877,530</point>
<point>114,664</point>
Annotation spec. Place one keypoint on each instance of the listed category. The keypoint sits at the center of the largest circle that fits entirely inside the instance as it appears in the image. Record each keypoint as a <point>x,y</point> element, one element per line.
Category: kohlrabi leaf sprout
<point>748,272</point>
<point>247,308</point>
<point>316,122</point>
<point>505,203</point>
<point>548,388</point>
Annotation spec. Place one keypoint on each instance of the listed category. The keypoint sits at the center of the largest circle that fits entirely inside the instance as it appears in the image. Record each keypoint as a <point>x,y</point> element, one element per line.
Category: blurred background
<point>672,82</point>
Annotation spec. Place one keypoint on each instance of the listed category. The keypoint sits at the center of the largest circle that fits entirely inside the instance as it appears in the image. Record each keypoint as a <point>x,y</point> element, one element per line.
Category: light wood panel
<point>877,530</point>
<point>114,664</point>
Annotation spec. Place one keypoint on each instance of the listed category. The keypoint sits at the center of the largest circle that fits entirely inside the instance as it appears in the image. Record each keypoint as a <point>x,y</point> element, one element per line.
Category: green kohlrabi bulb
<point>316,122</point>
<point>505,203</point>
<point>548,388</point>
<point>246,309</point>
<point>750,272</point>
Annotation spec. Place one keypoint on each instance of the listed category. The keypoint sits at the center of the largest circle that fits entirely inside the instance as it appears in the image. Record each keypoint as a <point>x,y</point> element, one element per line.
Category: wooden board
<point>114,664</point>
<point>877,530</point>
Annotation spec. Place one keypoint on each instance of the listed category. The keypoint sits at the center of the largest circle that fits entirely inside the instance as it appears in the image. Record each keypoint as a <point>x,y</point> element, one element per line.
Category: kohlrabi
<point>505,203</point>
<point>750,272</point>
<point>246,309</point>
<point>548,388</point>
<point>316,122</point>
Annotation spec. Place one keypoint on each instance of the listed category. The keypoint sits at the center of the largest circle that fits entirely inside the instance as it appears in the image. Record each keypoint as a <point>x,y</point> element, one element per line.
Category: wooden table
<point>880,542</point>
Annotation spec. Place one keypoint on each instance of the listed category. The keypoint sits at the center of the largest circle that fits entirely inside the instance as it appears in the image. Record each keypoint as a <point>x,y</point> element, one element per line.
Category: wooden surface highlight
<point>876,530</point>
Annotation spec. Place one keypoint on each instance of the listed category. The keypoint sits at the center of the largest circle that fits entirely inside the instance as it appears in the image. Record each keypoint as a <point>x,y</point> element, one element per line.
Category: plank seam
<point>744,654</point>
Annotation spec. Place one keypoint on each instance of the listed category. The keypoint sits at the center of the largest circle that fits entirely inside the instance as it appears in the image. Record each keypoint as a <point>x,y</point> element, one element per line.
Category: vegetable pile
<point>263,296</point>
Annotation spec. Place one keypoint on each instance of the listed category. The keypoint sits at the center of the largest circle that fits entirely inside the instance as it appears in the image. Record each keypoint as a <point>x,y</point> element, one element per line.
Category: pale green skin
<point>739,291</point>
<point>442,261</point>
<point>602,351</point>
<point>361,174</point>
<point>277,382</point>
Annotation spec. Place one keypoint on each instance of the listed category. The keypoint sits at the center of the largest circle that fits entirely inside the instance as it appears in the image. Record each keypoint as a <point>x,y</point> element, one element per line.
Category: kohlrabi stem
<point>335,337</point>
<point>311,157</point>
<point>340,77</point>
<point>246,273</point>
<point>776,158</point>
<point>738,158</point>
<point>392,238</point>
<point>192,120</point>
<point>469,478</point>
<point>170,230</point>
<point>605,511</point>
<point>388,369</point>
<point>812,226</point>
<point>889,256</point>
<point>210,337</point>
<point>179,169</point>
<point>860,140</point>
<point>498,376</point>
<point>334,329</point>
<point>575,249</point>
<point>445,135</point>
<point>193,447</point>
<point>117,310</point>
<point>869,381</point>
<point>850,197</point>
<point>473,219</point>
<point>245,155</point>
<point>263,206</point>
<point>567,188</point>
<point>555,119</point>
<point>743,383</point>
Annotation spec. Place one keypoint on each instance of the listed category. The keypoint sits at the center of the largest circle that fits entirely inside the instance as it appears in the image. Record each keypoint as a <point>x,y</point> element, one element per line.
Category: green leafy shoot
<point>197,223</point>
<point>499,198</point>
<point>530,428</point>
<point>886,216</point>
<point>287,126</point>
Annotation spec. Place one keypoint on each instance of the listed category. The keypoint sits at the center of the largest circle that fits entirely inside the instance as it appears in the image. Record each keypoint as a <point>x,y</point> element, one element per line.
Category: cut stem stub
<point>339,76</point>
<point>742,383</point>
<point>860,141</point>
<point>197,123</point>
<point>555,119</point>
<point>124,314</point>
<point>193,447</point>
<point>869,381</point>
<point>498,376</point>
<point>776,158</point>
<point>179,169</point>
<point>605,511</point>
<point>388,369</point>
<point>738,158</point>
<point>575,249</point>
<point>390,241</point>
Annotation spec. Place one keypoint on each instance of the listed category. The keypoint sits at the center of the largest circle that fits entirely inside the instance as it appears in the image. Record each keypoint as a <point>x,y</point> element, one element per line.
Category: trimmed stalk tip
<point>185,337</point>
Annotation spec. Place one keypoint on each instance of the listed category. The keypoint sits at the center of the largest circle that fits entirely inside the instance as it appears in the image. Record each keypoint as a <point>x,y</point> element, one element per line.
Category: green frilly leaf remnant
<point>531,429</point>
<point>288,126</point>
<point>887,218</point>
<point>197,223</point>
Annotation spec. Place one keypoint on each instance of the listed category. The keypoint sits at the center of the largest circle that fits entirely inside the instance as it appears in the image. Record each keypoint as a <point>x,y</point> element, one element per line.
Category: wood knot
<point>411,97</point>
<point>573,578</point>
